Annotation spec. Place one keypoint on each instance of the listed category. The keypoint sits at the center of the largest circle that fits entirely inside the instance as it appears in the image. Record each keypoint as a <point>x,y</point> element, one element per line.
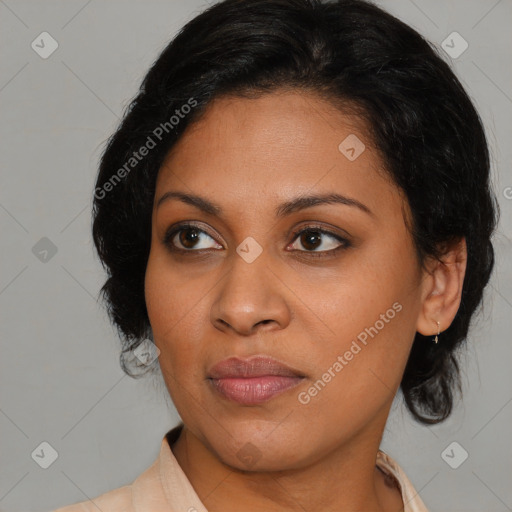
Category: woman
<point>296,211</point>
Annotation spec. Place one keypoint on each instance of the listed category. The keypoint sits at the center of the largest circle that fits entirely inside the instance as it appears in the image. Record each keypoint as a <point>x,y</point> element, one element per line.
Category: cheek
<point>169,292</point>
<point>159,294</point>
<point>371,317</point>
<point>372,281</point>
<point>172,315</point>
<point>174,308</point>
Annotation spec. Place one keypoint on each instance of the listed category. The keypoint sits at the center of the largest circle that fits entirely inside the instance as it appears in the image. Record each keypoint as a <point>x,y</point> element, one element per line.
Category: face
<point>331,290</point>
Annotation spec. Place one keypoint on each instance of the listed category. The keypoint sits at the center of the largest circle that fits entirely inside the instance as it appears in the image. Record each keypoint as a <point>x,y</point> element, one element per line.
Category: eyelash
<point>170,234</point>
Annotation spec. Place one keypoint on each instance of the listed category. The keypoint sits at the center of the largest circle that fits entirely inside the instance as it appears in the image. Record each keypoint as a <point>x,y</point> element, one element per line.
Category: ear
<point>442,289</point>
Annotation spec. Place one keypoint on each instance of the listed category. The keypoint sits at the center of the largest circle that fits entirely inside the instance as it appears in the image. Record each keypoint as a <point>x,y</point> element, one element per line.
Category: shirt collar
<point>164,486</point>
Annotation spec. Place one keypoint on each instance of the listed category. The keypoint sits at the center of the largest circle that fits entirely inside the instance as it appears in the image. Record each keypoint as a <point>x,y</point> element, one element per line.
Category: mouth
<point>252,381</point>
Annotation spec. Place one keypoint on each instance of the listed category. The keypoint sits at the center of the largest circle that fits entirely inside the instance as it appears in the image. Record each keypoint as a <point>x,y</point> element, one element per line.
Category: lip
<point>252,381</point>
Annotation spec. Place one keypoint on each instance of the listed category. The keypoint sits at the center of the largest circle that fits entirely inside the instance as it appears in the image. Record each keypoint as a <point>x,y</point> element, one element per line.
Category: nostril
<point>264,322</point>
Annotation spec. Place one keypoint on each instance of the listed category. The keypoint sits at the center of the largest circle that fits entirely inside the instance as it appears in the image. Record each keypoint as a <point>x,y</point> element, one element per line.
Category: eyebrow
<point>294,205</point>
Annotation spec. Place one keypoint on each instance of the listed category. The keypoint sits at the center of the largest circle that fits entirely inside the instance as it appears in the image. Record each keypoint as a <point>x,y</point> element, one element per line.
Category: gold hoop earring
<point>436,339</point>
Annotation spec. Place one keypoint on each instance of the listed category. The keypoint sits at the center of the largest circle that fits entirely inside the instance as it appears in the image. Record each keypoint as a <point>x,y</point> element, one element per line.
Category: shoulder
<point>117,500</point>
<point>150,491</point>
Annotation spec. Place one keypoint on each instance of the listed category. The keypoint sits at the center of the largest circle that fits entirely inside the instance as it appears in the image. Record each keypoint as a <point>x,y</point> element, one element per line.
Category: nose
<point>250,298</point>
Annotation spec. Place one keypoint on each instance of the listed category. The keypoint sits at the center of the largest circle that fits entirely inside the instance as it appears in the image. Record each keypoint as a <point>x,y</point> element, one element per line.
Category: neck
<point>346,479</point>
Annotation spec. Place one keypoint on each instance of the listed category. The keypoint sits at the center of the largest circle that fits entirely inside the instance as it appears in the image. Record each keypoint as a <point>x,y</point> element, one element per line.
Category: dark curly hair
<point>361,59</point>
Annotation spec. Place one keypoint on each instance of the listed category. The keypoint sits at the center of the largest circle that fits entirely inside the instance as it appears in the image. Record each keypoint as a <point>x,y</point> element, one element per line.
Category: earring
<point>436,339</point>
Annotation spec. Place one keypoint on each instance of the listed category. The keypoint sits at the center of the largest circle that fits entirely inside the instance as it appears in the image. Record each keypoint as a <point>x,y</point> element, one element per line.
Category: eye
<point>314,240</point>
<point>317,241</point>
<point>187,238</point>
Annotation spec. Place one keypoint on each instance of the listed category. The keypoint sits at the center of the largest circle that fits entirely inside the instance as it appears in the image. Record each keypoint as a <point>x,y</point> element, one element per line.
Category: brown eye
<point>319,242</point>
<point>189,238</point>
<point>311,239</point>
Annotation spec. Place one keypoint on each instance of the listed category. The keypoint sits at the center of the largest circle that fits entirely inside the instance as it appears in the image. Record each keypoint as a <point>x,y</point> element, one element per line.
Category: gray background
<point>60,378</point>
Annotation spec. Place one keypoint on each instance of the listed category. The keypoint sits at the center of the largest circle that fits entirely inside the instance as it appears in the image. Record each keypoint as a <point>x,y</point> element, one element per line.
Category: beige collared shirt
<point>164,487</point>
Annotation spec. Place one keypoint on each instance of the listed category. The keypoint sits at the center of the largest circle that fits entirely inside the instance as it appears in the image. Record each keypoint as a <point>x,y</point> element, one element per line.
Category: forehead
<point>282,123</point>
<point>277,145</point>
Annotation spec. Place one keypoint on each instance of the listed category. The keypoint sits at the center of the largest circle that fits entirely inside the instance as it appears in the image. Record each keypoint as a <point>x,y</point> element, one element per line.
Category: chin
<point>257,449</point>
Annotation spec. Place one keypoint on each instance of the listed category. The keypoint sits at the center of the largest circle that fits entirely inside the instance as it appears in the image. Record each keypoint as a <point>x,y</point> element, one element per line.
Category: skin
<point>248,156</point>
